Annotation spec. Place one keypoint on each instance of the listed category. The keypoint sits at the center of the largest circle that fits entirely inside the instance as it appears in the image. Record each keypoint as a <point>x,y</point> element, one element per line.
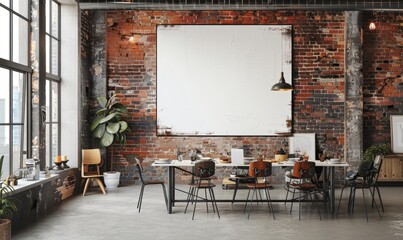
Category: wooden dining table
<point>173,165</point>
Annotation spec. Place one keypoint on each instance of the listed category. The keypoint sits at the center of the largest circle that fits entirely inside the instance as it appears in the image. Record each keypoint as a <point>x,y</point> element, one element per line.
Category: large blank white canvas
<point>217,79</point>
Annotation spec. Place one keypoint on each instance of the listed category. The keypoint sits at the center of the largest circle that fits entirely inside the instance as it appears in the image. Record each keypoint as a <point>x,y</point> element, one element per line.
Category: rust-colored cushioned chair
<point>306,184</point>
<point>261,171</point>
<point>91,160</point>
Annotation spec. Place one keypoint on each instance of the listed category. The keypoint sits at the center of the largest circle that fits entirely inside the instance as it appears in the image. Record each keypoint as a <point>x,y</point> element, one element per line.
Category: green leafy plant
<point>108,125</point>
<point>376,149</point>
<point>7,204</point>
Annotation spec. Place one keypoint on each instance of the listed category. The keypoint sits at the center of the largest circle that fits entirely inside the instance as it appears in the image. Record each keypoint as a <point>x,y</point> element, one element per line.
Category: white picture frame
<point>396,133</point>
<point>301,143</point>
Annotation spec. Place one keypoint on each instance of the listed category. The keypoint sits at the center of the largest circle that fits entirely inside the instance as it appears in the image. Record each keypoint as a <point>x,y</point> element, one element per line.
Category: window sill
<point>24,185</point>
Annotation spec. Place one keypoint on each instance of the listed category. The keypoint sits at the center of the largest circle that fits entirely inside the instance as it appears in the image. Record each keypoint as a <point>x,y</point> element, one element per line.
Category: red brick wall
<point>318,78</point>
<point>383,80</point>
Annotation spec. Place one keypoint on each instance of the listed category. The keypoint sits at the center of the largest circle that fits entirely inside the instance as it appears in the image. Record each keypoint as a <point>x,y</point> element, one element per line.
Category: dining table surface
<point>172,165</point>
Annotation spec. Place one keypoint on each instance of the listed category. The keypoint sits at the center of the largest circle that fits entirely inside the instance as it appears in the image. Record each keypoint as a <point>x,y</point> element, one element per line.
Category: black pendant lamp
<point>282,85</point>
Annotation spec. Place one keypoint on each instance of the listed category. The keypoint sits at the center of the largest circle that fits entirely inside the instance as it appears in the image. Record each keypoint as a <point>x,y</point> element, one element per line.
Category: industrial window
<point>52,80</point>
<point>14,81</point>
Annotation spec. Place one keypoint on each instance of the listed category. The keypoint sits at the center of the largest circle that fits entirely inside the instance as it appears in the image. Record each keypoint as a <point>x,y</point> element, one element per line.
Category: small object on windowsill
<point>65,163</point>
<point>58,166</point>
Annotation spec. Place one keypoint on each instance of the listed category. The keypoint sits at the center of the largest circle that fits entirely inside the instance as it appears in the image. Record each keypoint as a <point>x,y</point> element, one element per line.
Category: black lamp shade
<point>281,85</point>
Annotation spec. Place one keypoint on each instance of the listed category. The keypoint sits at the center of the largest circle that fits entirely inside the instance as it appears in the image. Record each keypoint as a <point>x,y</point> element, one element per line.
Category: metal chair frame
<point>203,172</point>
<point>144,183</point>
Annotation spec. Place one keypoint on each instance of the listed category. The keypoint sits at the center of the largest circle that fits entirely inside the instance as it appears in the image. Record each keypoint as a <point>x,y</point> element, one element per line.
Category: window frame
<point>25,124</point>
<point>53,78</point>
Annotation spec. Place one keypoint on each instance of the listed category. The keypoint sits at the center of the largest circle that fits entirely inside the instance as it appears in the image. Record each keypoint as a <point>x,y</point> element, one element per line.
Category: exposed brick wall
<point>383,80</point>
<point>318,73</point>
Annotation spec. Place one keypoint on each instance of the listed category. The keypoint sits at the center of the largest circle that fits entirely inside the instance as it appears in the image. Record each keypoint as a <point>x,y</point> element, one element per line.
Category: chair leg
<point>246,203</point>
<point>317,204</point>
<point>165,196</point>
<point>195,202</point>
<point>190,197</point>
<point>299,205</point>
<point>341,195</point>
<point>376,205</point>
<point>215,202</point>
<point>140,197</point>
<point>379,196</point>
<point>205,195</point>
<point>365,203</point>
<point>235,191</point>
<point>101,185</point>
<point>251,201</point>
<point>292,200</point>
<point>269,202</point>
<point>87,183</point>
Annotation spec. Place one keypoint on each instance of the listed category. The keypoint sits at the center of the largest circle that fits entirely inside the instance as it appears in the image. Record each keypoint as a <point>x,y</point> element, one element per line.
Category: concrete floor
<point>114,216</point>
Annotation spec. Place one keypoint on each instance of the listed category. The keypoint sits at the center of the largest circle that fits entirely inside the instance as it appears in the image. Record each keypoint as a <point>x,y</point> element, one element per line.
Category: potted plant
<point>109,128</point>
<point>376,149</point>
<point>7,206</point>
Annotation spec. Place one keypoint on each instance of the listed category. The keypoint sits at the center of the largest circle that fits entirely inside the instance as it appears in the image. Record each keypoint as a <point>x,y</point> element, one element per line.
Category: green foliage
<point>376,149</point>
<point>7,204</point>
<point>107,125</point>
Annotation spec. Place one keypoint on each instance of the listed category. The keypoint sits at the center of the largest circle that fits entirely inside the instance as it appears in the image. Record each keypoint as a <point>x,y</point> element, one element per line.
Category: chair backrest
<point>376,168</point>
<point>260,169</point>
<point>305,170</point>
<point>377,163</point>
<point>91,156</point>
<point>204,168</point>
<point>365,168</point>
<point>140,168</point>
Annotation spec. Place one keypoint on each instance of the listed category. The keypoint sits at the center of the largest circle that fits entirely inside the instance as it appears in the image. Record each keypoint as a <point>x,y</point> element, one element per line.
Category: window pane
<point>55,19</point>
<point>4,149</point>
<point>5,34</point>
<point>20,40</point>
<point>55,140</point>
<point>55,102</point>
<point>5,2</point>
<point>47,16</point>
<point>4,95</point>
<point>18,89</point>
<point>55,57</point>
<point>48,146</point>
<point>47,54</point>
<point>17,138</point>
<point>21,6</point>
<point>48,109</point>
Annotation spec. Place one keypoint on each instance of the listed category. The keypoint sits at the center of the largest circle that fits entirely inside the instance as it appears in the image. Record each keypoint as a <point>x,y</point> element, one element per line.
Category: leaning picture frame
<point>396,133</point>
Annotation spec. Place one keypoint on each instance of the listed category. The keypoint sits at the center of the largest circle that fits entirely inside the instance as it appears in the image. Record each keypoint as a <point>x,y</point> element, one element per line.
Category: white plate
<point>163,161</point>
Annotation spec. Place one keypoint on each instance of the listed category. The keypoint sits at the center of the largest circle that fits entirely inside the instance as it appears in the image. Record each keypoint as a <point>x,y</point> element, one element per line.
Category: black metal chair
<point>144,183</point>
<point>260,171</point>
<point>304,179</point>
<point>376,170</point>
<point>360,180</point>
<point>203,172</point>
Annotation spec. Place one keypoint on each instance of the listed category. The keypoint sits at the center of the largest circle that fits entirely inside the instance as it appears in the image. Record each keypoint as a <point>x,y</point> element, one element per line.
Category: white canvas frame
<point>303,143</point>
<point>396,133</point>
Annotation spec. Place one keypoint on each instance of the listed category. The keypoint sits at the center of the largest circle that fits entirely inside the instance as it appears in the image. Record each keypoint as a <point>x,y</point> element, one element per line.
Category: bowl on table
<point>335,160</point>
<point>163,160</point>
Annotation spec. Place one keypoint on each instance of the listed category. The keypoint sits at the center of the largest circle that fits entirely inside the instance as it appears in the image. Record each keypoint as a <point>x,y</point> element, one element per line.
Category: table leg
<point>171,188</point>
<point>332,190</point>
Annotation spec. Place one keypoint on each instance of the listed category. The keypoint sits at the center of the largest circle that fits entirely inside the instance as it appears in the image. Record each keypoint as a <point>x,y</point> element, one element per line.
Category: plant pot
<point>5,229</point>
<point>111,180</point>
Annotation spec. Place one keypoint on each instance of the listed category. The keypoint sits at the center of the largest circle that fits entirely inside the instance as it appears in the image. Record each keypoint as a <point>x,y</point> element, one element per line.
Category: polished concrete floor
<point>114,216</point>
